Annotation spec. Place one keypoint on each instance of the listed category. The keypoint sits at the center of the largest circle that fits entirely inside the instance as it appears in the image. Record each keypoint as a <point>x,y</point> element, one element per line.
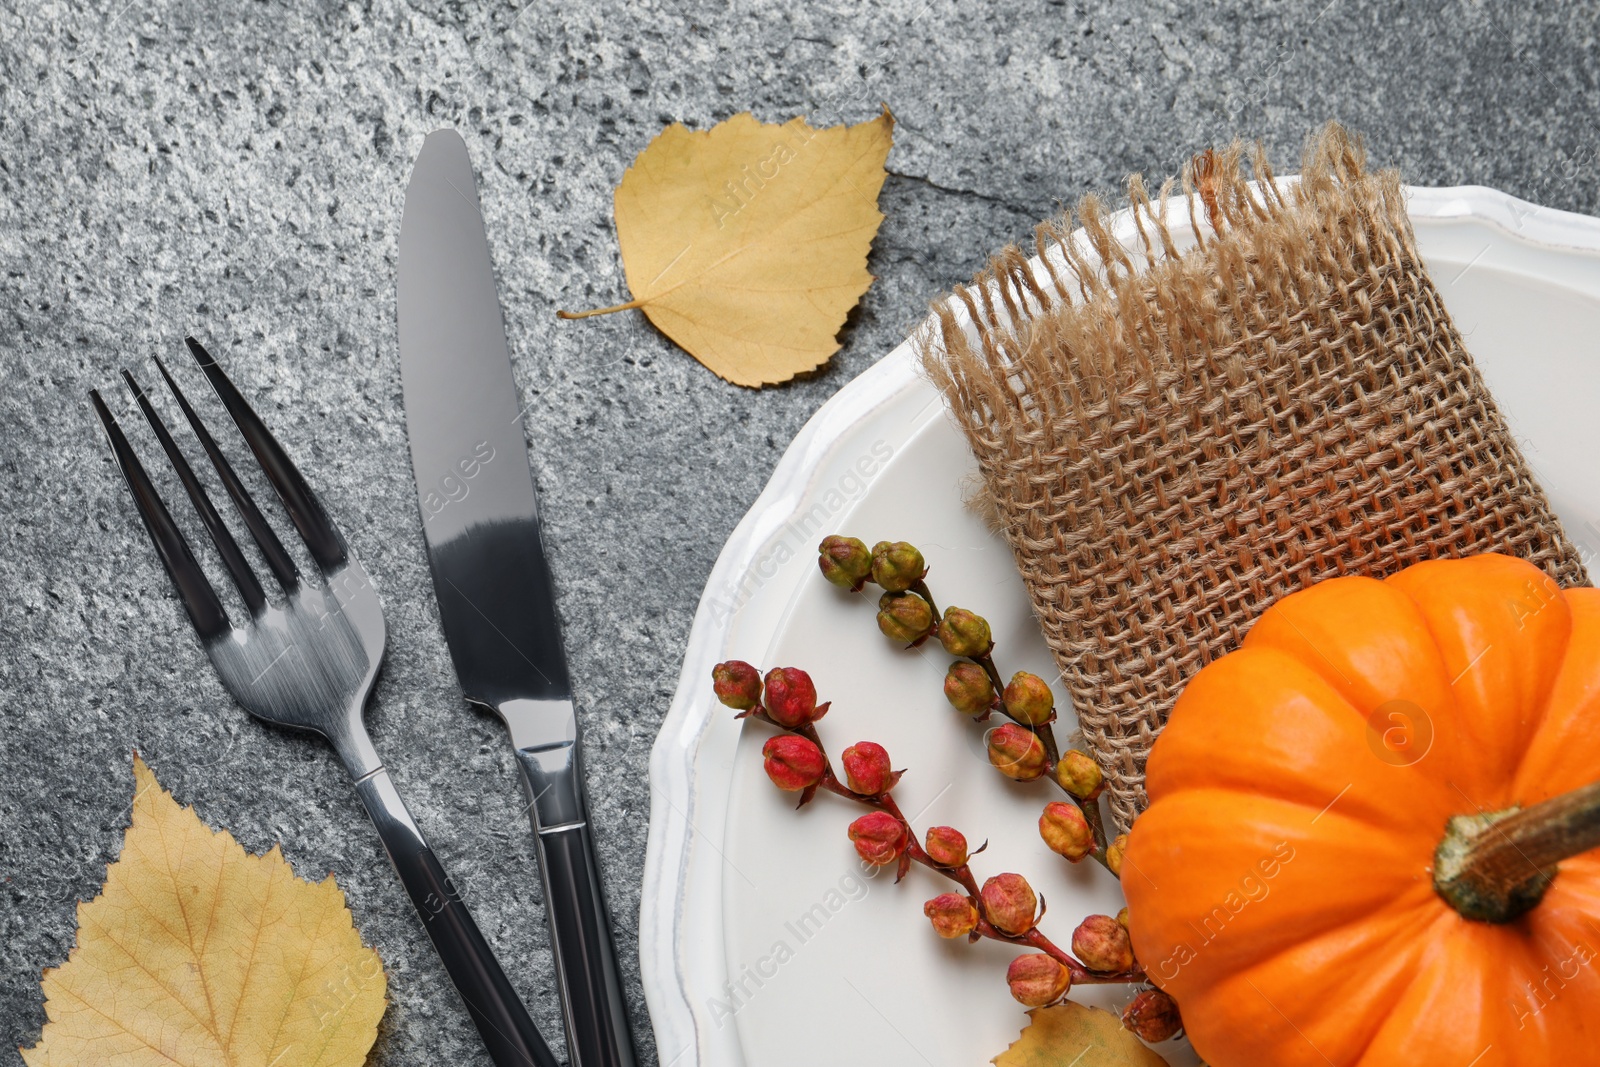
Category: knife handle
<point>502,1020</point>
<point>596,1015</point>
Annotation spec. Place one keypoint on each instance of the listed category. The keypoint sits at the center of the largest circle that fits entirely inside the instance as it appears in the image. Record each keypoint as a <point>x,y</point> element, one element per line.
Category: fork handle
<point>502,1020</point>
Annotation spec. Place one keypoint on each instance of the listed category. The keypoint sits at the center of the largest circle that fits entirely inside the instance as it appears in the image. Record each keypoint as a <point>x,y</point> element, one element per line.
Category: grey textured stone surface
<point>236,170</point>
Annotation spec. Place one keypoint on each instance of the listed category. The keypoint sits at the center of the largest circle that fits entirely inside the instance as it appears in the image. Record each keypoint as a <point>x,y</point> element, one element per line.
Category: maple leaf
<point>1070,1034</point>
<point>747,243</point>
<point>196,952</point>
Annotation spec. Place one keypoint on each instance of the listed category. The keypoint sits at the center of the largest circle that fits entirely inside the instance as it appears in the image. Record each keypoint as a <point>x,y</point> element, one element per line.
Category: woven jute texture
<point>1173,433</point>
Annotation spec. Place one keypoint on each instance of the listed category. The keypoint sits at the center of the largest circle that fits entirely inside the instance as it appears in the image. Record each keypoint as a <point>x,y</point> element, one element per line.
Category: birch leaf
<point>1070,1034</point>
<point>198,953</point>
<point>747,243</point>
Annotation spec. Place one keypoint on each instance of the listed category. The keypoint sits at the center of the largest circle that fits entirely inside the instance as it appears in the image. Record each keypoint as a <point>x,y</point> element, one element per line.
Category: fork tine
<point>227,547</point>
<point>321,536</point>
<point>205,610</point>
<point>278,559</point>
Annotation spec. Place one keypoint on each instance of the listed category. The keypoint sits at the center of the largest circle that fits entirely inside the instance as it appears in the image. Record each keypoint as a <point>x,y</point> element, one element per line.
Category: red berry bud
<point>1153,1015</point>
<point>952,914</point>
<point>1028,699</point>
<point>1103,945</point>
<point>1010,903</point>
<point>946,846</point>
<point>1114,853</point>
<point>879,838</point>
<point>1066,831</point>
<point>737,684</point>
<point>1037,979</point>
<point>845,562</point>
<point>963,633</point>
<point>1080,775</point>
<point>791,697</point>
<point>793,762</point>
<point>1016,752</point>
<point>904,617</point>
<point>968,689</point>
<point>867,770</point>
<point>897,566</point>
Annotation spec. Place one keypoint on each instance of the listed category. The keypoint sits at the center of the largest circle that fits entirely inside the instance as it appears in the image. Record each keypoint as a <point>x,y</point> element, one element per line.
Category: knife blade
<point>480,516</point>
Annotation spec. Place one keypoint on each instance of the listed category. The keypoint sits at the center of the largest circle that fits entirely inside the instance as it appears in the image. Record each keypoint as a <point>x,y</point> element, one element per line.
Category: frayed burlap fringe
<point>1171,440</point>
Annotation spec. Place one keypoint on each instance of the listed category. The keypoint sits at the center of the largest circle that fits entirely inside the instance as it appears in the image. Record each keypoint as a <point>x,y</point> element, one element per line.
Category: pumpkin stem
<point>1496,867</point>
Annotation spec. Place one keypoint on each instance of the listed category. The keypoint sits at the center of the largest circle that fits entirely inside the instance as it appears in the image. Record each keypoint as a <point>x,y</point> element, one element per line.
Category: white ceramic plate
<point>763,942</point>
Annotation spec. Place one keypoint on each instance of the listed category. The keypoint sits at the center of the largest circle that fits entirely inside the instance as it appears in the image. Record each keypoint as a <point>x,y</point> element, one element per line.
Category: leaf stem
<point>592,312</point>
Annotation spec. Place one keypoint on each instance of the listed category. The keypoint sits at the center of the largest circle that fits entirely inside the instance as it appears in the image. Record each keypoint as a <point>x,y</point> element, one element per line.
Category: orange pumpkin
<point>1281,884</point>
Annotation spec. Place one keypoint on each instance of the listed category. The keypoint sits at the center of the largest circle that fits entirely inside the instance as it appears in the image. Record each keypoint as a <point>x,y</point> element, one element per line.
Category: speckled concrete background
<point>236,170</point>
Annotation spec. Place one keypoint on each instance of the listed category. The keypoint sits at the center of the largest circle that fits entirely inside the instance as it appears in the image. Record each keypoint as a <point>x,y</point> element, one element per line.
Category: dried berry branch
<point>1023,750</point>
<point>1004,908</point>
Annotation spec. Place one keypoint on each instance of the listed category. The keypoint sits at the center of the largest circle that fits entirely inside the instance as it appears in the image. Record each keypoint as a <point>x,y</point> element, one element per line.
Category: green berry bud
<point>904,617</point>
<point>1028,699</point>
<point>963,633</point>
<point>897,566</point>
<point>1114,853</point>
<point>845,561</point>
<point>967,688</point>
<point>1080,775</point>
<point>1066,831</point>
<point>737,684</point>
<point>1016,752</point>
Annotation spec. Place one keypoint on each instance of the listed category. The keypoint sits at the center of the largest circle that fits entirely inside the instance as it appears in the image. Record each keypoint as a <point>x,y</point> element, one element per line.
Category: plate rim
<point>674,773</point>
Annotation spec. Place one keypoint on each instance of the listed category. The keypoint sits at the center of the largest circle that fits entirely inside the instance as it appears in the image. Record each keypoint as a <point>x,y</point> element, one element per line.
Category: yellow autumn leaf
<point>1070,1034</point>
<point>747,243</point>
<point>198,953</point>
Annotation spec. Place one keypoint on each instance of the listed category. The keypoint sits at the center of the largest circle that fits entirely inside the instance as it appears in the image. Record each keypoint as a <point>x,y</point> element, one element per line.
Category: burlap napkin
<point>1172,440</point>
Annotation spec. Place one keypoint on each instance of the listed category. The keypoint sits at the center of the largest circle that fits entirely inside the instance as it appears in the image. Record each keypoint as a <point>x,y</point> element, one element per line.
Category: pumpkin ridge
<point>1318,662</point>
<point>1368,820</point>
<point>1287,695</point>
<point>1427,577</point>
<point>1500,956</point>
<point>1257,977</point>
<point>1416,941</point>
<point>1421,939</point>
<point>1370,644</point>
<point>1172,922</point>
<point>1568,708</point>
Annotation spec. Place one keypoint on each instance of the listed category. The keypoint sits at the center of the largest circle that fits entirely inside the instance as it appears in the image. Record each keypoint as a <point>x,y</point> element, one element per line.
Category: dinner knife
<point>496,600</point>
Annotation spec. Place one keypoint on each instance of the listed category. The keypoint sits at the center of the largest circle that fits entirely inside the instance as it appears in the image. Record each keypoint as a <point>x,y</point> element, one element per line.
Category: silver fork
<point>308,660</point>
